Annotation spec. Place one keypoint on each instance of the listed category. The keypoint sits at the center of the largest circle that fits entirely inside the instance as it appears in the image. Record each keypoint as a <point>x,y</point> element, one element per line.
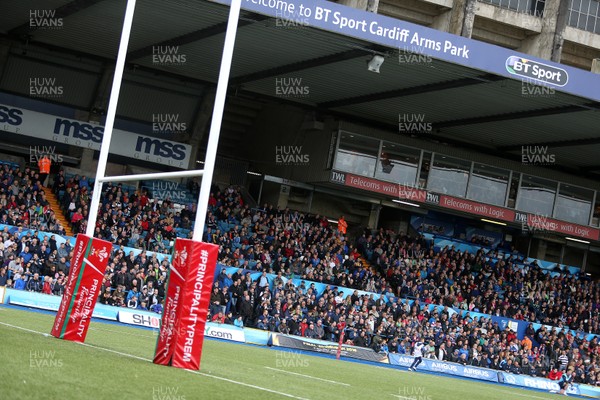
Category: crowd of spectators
<point>23,202</point>
<point>291,244</point>
<point>124,218</point>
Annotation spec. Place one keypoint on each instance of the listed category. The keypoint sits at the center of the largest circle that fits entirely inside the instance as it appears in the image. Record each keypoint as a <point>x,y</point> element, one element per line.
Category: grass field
<point>114,363</point>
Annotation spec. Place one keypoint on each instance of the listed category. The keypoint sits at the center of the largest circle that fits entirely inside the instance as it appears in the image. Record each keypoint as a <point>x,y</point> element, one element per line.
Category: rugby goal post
<point>196,261</point>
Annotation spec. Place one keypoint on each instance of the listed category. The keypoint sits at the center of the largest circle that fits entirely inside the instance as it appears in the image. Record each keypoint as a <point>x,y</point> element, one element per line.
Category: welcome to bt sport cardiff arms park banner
<point>83,134</point>
<point>405,36</point>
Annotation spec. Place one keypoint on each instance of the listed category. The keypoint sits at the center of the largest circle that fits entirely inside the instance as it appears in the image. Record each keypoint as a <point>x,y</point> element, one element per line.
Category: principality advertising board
<point>90,258</point>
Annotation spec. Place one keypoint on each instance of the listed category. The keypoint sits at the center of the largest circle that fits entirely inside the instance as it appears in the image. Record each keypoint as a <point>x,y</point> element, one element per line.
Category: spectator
<point>20,282</point>
<point>342,226</point>
<point>219,317</point>
<point>35,284</point>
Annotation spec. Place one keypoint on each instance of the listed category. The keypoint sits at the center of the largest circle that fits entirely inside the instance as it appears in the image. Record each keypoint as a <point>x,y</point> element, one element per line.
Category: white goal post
<point>213,137</point>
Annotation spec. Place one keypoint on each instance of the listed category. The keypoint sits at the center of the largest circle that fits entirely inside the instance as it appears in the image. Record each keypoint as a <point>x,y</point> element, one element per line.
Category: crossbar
<point>154,175</point>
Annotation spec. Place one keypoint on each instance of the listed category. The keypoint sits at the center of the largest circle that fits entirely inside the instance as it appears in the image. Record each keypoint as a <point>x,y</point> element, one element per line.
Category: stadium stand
<point>394,278</point>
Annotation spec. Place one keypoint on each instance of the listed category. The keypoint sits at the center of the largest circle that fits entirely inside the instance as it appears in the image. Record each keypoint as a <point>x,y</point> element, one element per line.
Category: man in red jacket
<point>555,374</point>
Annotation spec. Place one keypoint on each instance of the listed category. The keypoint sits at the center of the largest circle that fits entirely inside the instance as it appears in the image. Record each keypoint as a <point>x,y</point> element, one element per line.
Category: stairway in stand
<point>55,205</point>
<point>366,264</point>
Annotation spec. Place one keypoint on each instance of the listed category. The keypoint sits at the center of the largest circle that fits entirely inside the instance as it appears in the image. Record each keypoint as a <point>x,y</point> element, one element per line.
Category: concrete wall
<point>547,37</point>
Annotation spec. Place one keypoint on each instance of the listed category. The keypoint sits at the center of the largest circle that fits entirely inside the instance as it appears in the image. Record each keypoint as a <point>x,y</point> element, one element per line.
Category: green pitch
<point>115,364</point>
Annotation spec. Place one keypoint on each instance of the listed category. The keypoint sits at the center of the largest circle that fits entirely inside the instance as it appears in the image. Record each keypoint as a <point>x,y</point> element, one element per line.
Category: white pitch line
<point>247,384</point>
<point>123,333</point>
<point>189,370</point>
<point>307,376</point>
<point>24,329</point>
<point>114,351</point>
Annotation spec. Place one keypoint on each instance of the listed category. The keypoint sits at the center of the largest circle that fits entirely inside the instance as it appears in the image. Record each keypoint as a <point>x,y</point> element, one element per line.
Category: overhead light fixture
<point>200,162</point>
<point>577,240</point>
<point>493,222</point>
<point>406,203</point>
<point>333,221</point>
<point>254,173</point>
<point>375,63</point>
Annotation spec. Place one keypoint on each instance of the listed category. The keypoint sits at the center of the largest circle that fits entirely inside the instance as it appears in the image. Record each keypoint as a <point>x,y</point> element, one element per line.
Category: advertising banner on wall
<point>417,39</point>
<point>463,205</point>
<point>321,346</point>
<point>88,135</point>
<point>446,367</point>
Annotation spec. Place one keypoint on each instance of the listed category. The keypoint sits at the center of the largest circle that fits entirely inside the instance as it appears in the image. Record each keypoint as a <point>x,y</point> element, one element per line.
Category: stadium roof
<point>467,106</point>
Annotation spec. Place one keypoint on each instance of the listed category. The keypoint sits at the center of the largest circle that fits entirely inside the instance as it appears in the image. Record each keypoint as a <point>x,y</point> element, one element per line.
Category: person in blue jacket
<point>566,380</point>
<point>20,283</point>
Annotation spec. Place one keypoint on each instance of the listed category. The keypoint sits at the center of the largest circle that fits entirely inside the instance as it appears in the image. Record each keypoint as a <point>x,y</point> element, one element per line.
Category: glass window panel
<point>398,164</point>
<point>596,217</point>
<point>590,24</point>
<point>585,6</point>
<point>536,195</point>
<point>573,204</point>
<point>514,188</point>
<point>573,18</point>
<point>488,184</point>
<point>357,154</point>
<point>449,175</point>
<point>425,167</point>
